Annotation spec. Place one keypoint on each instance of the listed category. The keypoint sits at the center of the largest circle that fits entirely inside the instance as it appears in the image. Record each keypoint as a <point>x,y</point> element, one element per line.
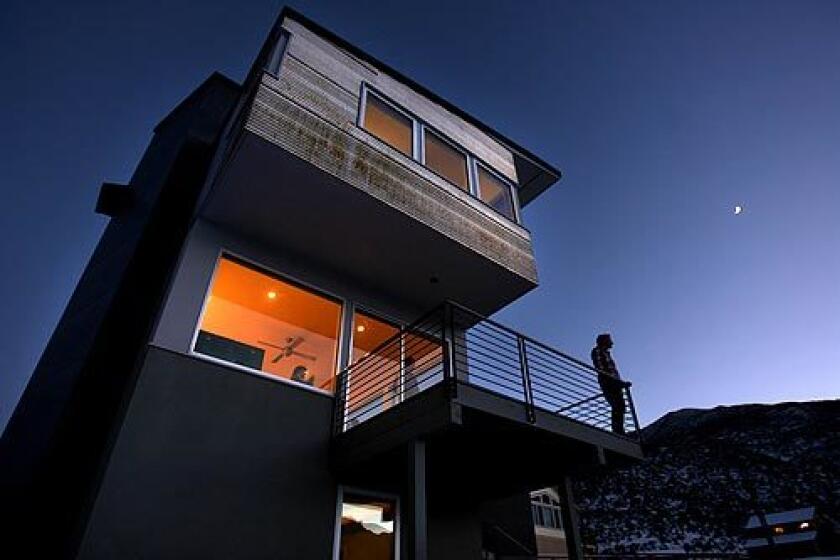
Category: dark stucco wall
<point>53,448</point>
<point>508,527</point>
<point>454,532</point>
<point>216,463</point>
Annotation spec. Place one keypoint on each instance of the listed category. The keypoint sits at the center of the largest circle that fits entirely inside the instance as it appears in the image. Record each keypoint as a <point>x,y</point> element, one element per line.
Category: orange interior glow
<point>298,330</point>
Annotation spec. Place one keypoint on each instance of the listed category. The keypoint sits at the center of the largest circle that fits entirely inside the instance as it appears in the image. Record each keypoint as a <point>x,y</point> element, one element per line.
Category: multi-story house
<point>279,348</point>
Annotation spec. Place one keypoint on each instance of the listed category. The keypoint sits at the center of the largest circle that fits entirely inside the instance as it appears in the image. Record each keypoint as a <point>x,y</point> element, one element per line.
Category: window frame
<point>543,504</point>
<point>278,53</point>
<point>400,325</point>
<point>369,494</point>
<point>514,200</point>
<point>360,121</point>
<point>343,303</point>
<point>443,138</point>
<point>358,308</point>
<point>419,127</point>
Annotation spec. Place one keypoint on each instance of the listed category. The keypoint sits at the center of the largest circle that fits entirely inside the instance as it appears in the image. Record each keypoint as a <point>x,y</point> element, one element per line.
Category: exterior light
<point>360,328</point>
<point>778,530</point>
<point>272,295</point>
<point>804,525</point>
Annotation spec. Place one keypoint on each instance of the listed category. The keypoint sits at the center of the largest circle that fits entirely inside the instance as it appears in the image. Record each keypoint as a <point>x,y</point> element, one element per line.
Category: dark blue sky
<point>662,115</point>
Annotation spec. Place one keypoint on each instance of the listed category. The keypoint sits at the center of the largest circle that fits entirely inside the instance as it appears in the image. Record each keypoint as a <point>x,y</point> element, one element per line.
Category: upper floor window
<point>388,124</point>
<point>263,322</point>
<point>277,53</point>
<point>546,510</point>
<point>495,193</point>
<point>444,159</point>
<point>419,141</point>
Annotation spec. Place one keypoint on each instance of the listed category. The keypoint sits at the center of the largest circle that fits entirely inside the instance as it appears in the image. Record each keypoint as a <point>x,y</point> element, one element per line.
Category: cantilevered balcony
<point>509,410</point>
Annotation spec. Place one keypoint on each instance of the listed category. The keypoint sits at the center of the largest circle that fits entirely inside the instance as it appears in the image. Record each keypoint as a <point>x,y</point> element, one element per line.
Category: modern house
<point>280,349</point>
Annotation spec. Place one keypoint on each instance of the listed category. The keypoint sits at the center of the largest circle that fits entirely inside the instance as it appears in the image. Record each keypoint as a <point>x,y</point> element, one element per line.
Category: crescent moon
<point>738,210</point>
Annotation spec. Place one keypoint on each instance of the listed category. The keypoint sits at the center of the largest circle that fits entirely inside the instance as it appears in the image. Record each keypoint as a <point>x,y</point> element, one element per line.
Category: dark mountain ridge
<point>706,471</point>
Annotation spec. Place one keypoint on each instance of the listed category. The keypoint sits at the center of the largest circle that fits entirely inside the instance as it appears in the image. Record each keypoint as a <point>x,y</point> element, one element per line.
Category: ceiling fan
<point>289,349</point>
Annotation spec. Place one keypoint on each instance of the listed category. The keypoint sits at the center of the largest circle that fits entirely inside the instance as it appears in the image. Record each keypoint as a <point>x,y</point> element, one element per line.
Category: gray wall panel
<point>215,463</point>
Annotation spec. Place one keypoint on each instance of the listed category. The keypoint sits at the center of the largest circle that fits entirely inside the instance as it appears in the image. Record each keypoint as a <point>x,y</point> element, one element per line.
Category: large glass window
<point>388,368</point>
<point>367,528</point>
<point>495,192</point>
<point>373,385</point>
<point>446,160</point>
<point>369,333</point>
<point>388,124</point>
<point>257,320</point>
<point>423,362</point>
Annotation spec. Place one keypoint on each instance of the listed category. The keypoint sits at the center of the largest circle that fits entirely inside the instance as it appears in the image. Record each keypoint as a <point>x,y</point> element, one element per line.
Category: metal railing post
<point>526,380</point>
<point>450,372</point>
<point>633,413</point>
<point>338,408</point>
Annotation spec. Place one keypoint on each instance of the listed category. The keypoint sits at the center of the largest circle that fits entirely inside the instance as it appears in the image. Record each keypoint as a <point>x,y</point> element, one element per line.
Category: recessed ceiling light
<point>272,295</point>
<point>360,328</point>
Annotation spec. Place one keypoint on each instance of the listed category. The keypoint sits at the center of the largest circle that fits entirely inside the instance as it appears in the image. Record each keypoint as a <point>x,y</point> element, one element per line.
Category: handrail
<point>455,344</point>
<point>525,336</point>
<point>393,337</point>
<point>569,407</point>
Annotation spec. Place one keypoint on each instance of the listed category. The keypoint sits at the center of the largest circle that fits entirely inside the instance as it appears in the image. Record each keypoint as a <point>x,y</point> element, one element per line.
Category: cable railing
<point>456,346</point>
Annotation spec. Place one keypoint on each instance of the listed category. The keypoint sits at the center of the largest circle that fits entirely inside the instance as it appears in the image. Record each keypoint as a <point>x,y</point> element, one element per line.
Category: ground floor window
<point>261,321</point>
<point>545,507</point>
<point>368,528</point>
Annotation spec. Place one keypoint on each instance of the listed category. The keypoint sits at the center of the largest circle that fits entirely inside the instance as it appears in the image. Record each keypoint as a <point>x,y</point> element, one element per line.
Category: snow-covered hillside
<point>707,470</point>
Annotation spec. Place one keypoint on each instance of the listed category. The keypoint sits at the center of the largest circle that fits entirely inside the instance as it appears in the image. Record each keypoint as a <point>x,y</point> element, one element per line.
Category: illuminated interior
<point>423,362</point>
<point>495,193</point>
<point>256,320</point>
<point>446,160</point>
<point>391,368</point>
<point>379,390</point>
<point>388,124</point>
<point>367,528</point>
<point>369,333</point>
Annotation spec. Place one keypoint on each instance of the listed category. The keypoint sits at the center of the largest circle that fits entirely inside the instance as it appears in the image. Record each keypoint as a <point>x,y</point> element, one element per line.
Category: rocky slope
<point>707,470</point>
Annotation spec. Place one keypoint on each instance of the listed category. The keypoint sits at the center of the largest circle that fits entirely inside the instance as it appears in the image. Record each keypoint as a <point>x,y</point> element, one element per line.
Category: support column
<point>416,535</point>
<point>571,522</point>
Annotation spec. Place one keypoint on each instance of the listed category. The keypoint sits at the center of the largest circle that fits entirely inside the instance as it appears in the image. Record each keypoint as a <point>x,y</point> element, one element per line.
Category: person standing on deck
<point>609,380</point>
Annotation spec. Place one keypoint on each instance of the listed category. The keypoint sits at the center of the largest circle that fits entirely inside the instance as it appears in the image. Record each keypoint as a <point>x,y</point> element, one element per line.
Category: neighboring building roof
<point>535,174</point>
<point>791,516</point>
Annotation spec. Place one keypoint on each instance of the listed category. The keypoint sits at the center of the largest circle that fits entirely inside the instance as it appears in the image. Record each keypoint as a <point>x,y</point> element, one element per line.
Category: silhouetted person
<point>609,380</point>
<point>302,375</point>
